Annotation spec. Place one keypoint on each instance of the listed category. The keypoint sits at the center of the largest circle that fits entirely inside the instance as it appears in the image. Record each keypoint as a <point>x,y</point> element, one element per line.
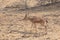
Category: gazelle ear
<point>25,17</point>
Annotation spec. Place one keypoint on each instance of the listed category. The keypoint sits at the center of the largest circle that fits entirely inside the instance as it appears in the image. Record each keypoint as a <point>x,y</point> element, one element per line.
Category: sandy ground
<point>12,27</point>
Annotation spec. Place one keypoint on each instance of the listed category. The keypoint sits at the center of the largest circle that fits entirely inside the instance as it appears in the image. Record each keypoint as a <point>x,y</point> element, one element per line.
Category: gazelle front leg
<point>33,26</point>
<point>35,30</point>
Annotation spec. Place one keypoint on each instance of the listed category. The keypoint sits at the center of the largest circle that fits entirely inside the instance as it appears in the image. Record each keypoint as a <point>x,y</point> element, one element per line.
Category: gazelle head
<point>28,17</point>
